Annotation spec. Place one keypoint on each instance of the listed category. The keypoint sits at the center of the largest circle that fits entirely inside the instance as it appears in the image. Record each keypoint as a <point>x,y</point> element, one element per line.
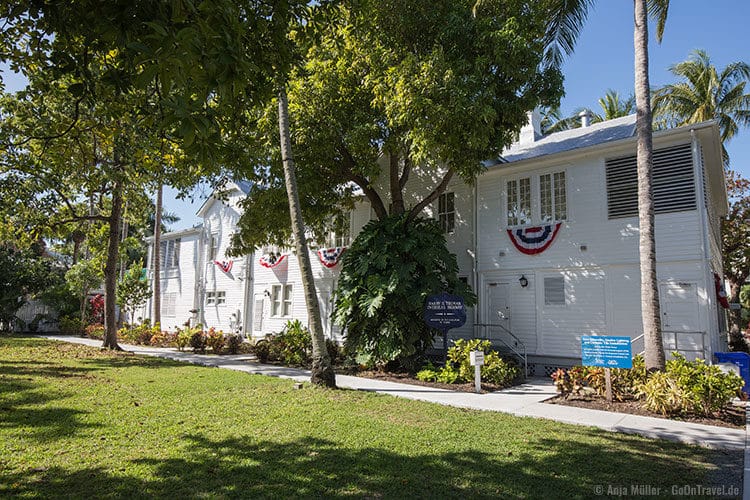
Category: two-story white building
<point>547,237</point>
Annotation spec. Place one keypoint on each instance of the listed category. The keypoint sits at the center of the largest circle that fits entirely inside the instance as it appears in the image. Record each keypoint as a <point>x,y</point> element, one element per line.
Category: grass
<point>78,422</point>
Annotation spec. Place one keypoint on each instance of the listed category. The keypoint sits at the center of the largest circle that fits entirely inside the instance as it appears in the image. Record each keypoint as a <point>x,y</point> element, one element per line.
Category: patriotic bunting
<point>330,256</point>
<point>534,240</point>
<point>720,293</point>
<point>270,260</point>
<point>224,265</point>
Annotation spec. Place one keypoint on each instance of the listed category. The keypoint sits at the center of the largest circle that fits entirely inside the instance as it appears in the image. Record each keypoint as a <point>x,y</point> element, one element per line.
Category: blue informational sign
<point>607,352</point>
<point>444,311</point>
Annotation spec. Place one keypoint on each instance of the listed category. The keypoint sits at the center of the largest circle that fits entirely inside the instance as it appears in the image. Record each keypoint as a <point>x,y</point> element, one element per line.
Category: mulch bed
<point>406,378</point>
<point>733,417</point>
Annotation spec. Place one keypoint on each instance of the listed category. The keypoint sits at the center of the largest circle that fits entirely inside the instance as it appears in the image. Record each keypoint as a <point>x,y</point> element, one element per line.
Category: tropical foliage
<point>388,272</point>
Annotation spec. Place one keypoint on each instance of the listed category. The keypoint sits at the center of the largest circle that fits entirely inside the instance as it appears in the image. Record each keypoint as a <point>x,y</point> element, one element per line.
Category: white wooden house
<point>547,237</point>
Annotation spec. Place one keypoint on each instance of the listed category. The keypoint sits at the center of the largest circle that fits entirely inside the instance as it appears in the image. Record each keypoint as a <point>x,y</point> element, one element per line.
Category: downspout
<point>247,330</point>
<point>475,257</point>
<point>702,209</point>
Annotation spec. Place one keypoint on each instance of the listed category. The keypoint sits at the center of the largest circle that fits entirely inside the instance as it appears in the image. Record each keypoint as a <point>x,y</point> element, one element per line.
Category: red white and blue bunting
<point>270,260</point>
<point>224,265</point>
<point>720,293</point>
<point>329,257</point>
<point>534,240</point>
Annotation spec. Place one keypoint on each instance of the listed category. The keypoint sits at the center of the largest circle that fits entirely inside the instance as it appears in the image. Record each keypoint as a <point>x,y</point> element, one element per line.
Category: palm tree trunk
<point>156,267</point>
<point>322,371</point>
<point>650,310</point>
<point>110,268</point>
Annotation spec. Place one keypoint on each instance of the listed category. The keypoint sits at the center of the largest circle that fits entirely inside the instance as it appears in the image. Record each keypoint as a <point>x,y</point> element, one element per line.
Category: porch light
<point>523,281</point>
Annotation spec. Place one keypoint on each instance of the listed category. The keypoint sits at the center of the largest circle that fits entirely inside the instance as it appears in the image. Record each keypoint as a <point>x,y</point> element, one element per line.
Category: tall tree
<point>156,257</point>
<point>704,93</point>
<point>389,92</point>
<point>650,307</point>
<point>322,371</point>
<point>735,235</point>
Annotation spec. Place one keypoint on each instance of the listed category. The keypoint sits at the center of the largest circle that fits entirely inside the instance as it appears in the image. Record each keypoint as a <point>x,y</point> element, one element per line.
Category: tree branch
<point>347,169</point>
<point>431,197</point>
<point>397,197</point>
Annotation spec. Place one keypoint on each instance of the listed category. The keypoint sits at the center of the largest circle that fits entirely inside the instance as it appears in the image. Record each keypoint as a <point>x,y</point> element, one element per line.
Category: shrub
<point>495,370</point>
<point>215,340</point>
<point>262,350</point>
<point>95,331</point>
<point>334,351</point>
<point>182,338</point>
<point>293,345</point>
<point>198,340</point>
<point>705,388</point>
<point>459,369</point>
<point>234,342</point>
<point>387,273</point>
<point>662,394</point>
<point>70,326</point>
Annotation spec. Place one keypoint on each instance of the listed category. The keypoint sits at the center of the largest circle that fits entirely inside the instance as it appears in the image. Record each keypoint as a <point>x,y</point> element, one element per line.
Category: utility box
<point>742,360</point>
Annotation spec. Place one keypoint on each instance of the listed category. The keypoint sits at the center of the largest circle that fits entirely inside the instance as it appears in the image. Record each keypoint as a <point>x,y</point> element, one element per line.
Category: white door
<point>258,312</point>
<point>498,303</point>
<point>680,307</point>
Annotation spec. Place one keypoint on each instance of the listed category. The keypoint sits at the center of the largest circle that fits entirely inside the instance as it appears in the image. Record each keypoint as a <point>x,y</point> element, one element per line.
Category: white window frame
<point>213,247</point>
<point>514,202</point>
<point>281,300</point>
<point>169,305</point>
<point>216,298</point>
<point>446,217</point>
<point>533,206</point>
<point>169,257</point>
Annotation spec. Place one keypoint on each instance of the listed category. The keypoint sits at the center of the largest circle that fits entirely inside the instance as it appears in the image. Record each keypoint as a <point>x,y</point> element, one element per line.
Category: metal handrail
<point>674,343</point>
<point>519,349</point>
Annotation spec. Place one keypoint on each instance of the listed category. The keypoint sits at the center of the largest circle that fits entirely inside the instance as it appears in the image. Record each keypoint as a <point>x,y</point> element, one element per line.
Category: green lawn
<point>77,422</point>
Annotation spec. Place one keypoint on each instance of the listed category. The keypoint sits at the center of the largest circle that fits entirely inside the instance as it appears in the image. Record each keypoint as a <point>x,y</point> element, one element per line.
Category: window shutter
<point>673,183</point>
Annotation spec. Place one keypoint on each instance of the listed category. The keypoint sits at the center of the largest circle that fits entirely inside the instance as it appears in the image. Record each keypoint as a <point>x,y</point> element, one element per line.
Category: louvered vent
<point>554,291</point>
<point>673,183</point>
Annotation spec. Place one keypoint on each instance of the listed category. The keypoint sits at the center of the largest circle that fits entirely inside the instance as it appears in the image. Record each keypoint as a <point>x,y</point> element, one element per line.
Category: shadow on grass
<point>550,468</point>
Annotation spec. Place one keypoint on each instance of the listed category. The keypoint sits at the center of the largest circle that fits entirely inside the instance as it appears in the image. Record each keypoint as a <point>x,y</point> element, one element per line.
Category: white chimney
<point>532,130</point>
<point>585,117</point>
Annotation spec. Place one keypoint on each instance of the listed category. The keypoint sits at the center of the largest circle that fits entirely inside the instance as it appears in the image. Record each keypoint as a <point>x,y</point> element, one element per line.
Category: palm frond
<point>566,22</point>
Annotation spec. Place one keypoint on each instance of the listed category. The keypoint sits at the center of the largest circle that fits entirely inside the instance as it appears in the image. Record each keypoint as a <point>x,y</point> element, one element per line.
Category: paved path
<point>523,400</point>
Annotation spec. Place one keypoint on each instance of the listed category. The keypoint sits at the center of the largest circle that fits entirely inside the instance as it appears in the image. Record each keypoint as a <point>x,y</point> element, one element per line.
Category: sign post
<point>476,359</point>
<point>608,353</point>
<point>443,312</point>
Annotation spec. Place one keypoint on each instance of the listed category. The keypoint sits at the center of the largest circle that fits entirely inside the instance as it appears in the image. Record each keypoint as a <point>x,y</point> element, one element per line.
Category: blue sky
<point>604,60</point>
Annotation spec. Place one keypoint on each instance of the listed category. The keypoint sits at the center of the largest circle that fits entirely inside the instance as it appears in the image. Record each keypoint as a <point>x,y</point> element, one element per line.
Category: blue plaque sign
<point>444,311</point>
<point>607,352</point>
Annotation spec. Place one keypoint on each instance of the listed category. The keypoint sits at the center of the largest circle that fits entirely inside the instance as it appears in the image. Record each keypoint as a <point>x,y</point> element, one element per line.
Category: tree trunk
<point>736,334</point>
<point>322,371</point>
<point>650,310</point>
<point>110,268</point>
<point>156,255</point>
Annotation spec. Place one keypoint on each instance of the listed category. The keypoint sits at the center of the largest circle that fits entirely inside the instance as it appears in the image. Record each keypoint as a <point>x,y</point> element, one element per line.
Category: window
<point>169,304</point>
<point>554,291</point>
<point>519,202</point>
<point>552,197</point>
<point>216,298</point>
<point>673,183</point>
<point>531,206</point>
<point>213,249</point>
<point>447,212</point>
<point>169,256</point>
<point>281,300</point>
<point>339,235</point>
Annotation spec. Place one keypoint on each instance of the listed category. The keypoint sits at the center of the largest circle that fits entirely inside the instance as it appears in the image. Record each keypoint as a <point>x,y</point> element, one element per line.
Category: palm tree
<point>156,266</point>
<point>612,104</point>
<point>706,94</point>
<point>564,27</point>
<point>322,371</point>
<point>650,307</point>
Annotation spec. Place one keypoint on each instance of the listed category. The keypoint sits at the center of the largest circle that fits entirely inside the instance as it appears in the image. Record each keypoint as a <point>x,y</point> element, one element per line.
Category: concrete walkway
<point>523,400</point>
